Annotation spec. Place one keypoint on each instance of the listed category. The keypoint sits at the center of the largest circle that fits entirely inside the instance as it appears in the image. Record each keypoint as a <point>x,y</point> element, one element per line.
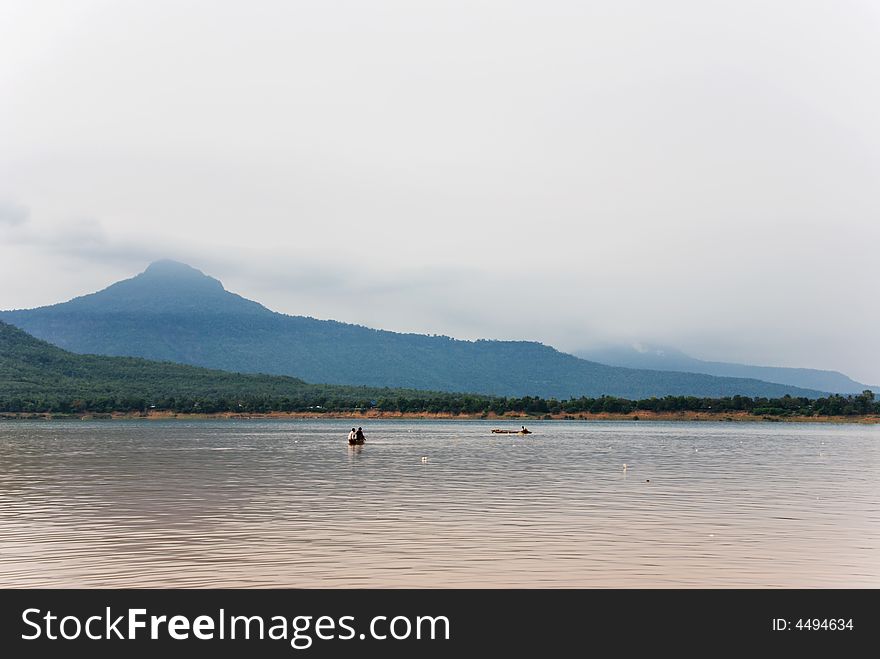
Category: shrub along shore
<point>861,407</point>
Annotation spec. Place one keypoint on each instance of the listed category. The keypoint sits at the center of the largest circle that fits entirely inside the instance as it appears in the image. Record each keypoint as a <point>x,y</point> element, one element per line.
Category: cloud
<point>80,238</point>
<point>87,241</point>
<point>12,214</point>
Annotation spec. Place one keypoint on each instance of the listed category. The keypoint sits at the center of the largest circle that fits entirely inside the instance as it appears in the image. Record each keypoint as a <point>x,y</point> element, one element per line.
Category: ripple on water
<point>281,503</point>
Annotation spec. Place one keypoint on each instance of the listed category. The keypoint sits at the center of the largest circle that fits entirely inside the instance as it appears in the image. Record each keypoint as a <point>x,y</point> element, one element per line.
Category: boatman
<point>352,435</point>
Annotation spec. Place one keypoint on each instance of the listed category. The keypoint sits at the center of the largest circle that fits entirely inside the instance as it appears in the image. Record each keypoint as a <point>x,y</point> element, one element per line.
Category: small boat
<point>524,431</point>
<point>356,442</point>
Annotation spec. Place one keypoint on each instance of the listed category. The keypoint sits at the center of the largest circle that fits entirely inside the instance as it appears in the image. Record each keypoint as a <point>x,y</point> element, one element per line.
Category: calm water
<point>289,504</point>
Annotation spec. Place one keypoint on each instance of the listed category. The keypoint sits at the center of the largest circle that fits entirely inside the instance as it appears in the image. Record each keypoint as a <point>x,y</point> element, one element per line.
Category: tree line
<point>323,400</point>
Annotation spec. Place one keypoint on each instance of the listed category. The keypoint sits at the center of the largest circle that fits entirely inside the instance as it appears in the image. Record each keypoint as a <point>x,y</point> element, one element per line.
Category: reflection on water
<point>290,504</point>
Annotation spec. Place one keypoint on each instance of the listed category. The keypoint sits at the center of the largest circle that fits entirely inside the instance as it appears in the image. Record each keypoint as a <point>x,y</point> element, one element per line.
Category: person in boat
<point>352,435</point>
<point>359,435</point>
<point>525,431</point>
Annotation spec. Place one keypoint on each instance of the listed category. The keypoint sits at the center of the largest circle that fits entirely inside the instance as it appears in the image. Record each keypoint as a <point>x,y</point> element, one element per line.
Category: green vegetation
<point>860,404</point>
<point>37,377</point>
<point>835,405</point>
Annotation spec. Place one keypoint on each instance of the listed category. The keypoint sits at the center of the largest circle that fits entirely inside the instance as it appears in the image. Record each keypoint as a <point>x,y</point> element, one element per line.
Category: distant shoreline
<point>376,415</point>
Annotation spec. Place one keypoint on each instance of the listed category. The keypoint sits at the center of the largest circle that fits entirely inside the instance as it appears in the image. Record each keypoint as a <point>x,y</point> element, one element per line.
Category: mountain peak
<point>165,286</point>
<point>176,269</point>
<point>178,276</point>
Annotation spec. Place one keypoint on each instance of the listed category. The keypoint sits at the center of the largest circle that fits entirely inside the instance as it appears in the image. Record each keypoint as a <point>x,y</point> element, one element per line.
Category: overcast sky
<point>699,174</point>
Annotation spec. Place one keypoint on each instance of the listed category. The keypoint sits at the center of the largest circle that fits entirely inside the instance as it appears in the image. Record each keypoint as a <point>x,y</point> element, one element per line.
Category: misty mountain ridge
<point>172,312</point>
<point>664,358</point>
<point>38,376</point>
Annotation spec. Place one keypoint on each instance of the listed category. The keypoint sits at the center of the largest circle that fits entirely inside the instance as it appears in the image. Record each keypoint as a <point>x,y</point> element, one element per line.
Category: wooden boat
<point>524,431</point>
<point>356,442</point>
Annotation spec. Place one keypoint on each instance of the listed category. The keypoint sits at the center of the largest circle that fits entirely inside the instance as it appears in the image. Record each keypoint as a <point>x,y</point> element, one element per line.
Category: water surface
<point>290,504</point>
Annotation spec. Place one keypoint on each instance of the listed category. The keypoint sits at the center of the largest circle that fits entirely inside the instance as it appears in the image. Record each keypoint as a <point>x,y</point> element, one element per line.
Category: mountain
<point>172,312</point>
<point>642,356</point>
<point>37,375</point>
<point>165,286</point>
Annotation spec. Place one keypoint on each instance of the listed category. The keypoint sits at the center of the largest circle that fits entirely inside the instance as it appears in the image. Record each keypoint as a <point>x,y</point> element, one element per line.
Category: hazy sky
<point>699,174</point>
